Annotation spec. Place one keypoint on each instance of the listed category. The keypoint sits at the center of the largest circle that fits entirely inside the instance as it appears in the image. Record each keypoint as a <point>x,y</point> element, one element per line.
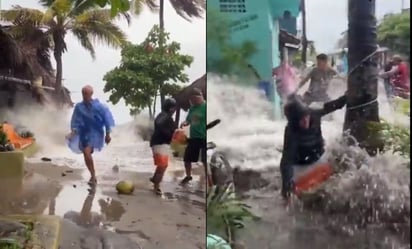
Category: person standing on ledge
<point>196,145</point>
<point>91,125</point>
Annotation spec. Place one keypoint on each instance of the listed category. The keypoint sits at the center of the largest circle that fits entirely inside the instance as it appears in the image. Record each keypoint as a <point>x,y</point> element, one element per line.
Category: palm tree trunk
<point>162,27</point>
<point>362,81</point>
<point>304,38</point>
<point>59,71</point>
<point>161,14</point>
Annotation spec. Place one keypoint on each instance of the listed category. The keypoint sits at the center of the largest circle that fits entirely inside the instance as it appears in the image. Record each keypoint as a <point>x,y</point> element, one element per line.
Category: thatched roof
<point>27,60</point>
<point>183,96</point>
<point>12,57</point>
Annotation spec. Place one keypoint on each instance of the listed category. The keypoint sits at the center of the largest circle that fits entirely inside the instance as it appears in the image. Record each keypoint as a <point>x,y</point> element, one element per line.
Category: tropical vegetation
<point>84,19</point>
<point>394,32</point>
<point>396,136</point>
<point>152,67</point>
<point>226,214</point>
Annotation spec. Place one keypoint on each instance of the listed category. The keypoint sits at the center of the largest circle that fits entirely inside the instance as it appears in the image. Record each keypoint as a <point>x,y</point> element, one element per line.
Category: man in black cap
<point>303,141</point>
<point>196,146</point>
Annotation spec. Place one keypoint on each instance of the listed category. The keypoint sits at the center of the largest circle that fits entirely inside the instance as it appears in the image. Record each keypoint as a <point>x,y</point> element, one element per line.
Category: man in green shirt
<point>196,146</point>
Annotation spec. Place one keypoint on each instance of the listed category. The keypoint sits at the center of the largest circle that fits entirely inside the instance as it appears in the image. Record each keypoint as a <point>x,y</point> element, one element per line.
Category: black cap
<point>168,104</point>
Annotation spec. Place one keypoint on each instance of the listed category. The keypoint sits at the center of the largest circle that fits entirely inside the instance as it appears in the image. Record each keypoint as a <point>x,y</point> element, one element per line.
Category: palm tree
<point>82,18</point>
<point>187,9</point>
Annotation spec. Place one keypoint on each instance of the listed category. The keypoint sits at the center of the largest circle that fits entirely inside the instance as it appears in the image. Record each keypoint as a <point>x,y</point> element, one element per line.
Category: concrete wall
<point>258,22</point>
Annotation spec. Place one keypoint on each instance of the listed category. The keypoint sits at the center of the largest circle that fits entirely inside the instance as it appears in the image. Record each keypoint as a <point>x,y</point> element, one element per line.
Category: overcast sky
<point>326,19</point>
<point>79,68</point>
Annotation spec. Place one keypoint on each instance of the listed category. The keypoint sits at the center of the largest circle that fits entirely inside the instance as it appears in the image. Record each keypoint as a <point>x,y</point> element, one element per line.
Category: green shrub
<point>225,213</point>
<point>395,136</point>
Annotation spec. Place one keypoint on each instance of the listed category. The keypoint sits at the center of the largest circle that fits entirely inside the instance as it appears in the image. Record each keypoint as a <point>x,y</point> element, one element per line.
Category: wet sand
<point>176,220</point>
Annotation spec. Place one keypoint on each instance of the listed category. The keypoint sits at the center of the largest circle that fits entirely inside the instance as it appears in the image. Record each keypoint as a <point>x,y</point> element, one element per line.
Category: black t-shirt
<point>164,127</point>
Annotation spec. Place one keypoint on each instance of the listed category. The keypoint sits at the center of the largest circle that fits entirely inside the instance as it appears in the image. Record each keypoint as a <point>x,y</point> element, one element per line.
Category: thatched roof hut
<point>25,66</point>
<point>183,96</point>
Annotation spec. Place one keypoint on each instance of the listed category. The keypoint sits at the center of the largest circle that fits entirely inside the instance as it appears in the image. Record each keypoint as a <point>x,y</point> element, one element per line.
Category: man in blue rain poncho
<point>91,125</point>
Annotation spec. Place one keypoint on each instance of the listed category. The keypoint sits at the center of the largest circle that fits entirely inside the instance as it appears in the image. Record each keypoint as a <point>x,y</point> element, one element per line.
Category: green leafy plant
<point>225,213</point>
<point>396,137</point>
<point>147,69</point>
<point>394,31</point>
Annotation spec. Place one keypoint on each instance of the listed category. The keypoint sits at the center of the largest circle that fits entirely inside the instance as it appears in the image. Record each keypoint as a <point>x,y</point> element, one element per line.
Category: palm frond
<point>61,7</point>
<point>20,16</point>
<point>81,6</point>
<point>137,6</point>
<point>98,26</point>
<point>46,3</point>
<point>188,9</point>
<point>84,40</point>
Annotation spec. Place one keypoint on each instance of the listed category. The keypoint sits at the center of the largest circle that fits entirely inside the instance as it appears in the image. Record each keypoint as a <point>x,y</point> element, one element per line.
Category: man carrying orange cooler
<point>303,144</point>
<point>196,145</point>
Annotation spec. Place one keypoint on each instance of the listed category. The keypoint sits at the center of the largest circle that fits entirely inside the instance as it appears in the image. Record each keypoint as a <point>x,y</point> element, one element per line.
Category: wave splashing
<point>366,190</point>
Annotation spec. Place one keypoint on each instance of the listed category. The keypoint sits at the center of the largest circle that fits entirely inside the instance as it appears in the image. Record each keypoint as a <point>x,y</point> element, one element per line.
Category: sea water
<point>253,140</point>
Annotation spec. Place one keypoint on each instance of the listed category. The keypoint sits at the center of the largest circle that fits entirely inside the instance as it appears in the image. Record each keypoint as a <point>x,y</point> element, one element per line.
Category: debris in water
<point>46,159</point>
<point>115,168</point>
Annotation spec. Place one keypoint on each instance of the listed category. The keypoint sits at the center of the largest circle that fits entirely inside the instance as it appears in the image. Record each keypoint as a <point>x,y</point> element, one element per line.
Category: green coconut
<point>125,187</point>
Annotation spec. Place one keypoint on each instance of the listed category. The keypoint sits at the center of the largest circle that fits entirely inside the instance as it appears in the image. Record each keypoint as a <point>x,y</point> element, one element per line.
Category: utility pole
<point>304,38</point>
<point>362,106</point>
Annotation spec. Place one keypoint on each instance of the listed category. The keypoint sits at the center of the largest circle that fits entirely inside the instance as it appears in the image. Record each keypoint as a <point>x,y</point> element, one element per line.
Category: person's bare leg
<point>188,169</point>
<point>88,160</point>
<point>158,176</point>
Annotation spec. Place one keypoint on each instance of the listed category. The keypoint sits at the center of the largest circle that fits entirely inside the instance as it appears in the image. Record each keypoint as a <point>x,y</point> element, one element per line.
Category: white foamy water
<point>252,140</point>
<point>50,126</point>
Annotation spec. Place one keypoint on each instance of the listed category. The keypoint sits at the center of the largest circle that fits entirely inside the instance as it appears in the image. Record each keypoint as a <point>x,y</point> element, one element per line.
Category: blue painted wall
<point>256,21</point>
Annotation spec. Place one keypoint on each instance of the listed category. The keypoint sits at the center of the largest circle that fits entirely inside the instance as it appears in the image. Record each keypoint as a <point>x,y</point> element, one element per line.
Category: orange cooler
<point>312,176</point>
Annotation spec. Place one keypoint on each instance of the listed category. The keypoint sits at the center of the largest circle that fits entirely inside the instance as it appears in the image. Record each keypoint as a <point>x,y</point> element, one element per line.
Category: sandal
<point>186,180</point>
<point>158,191</point>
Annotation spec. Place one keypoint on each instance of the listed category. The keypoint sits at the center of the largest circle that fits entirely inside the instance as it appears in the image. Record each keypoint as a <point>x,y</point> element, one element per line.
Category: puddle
<point>76,202</point>
<point>87,207</point>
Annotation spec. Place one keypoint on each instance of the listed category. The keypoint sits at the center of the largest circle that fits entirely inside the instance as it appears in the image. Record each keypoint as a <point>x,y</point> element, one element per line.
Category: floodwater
<point>59,187</point>
<point>252,141</point>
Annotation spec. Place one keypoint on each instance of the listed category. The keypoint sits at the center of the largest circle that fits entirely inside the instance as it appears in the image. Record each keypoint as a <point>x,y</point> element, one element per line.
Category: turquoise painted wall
<point>256,21</point>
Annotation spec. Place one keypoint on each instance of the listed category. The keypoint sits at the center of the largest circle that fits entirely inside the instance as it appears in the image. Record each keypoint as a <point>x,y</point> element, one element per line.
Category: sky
<point>326,20</point>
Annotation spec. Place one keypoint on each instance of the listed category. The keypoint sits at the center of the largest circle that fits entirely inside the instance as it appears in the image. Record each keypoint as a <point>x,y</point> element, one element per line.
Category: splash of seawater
<point>253,140</point>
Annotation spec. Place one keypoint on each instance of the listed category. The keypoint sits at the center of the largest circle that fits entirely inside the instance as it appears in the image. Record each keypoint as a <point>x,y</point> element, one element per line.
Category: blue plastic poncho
<point>90,121</point>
